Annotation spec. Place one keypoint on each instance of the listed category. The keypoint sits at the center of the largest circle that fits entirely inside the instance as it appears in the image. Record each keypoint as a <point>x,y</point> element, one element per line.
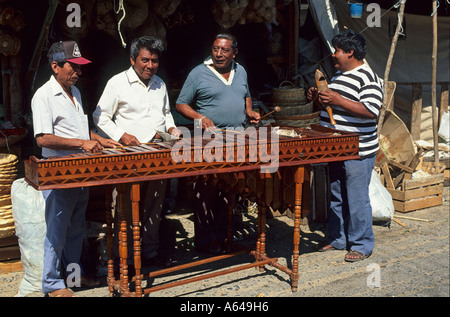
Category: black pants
<point>210,213</point>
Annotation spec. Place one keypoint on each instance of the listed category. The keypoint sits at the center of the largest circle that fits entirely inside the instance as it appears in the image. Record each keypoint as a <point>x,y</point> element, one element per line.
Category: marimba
<point>260,154</point>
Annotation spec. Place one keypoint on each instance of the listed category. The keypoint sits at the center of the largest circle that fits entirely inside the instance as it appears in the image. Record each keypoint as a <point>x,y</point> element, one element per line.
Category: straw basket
<point>293,110</point>
<point>299,121</point>
<point>8,174</point>
<point>287,95</point>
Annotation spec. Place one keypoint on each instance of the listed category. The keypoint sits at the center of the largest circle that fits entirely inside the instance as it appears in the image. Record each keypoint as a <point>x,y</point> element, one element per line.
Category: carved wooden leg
<point>299,177</point>
<point>109,239</point>
<point>123,248</point>
<point>135,197</point>
<point>262,208</point>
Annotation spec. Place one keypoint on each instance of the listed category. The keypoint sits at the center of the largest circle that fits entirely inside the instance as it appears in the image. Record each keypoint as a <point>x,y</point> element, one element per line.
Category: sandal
<point>354,256</point>
<point>63,292</point>
<point>327,247</point>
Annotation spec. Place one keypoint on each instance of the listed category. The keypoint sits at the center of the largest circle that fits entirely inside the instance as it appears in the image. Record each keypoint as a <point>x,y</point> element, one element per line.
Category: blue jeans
<point>350,221</point>
<point>65,211</point>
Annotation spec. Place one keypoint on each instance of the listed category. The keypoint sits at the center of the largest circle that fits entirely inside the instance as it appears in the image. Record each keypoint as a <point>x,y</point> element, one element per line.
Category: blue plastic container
<point>356,10</point>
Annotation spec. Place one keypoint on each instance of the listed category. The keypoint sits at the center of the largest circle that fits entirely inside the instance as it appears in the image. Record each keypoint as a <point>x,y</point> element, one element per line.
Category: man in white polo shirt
<point>134,106</point>
<point>61,128</point>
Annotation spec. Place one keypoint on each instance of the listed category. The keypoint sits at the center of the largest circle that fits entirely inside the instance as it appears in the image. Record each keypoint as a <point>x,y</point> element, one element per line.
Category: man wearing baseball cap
<point>60,129</point>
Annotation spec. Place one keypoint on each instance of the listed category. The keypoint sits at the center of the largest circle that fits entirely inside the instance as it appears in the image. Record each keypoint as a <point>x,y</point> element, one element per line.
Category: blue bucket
<point>356,10</point>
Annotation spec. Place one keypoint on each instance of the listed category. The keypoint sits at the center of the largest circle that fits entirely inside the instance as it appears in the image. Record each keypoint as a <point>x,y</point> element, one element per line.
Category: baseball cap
<point>69,51</point>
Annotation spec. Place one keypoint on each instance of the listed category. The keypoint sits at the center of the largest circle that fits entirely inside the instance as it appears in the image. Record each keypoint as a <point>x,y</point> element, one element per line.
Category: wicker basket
<point>8,174</point>
<point>299,121</point>
<point>295,110</point>
<point>288,95</point>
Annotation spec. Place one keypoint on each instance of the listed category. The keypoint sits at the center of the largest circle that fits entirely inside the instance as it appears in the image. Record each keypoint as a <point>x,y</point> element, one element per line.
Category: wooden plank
<point>416,193</point>
<point>397,194</point>
<point>424,181</point>
<point>424,192</point>
<point>405,206</point>
<point>387,175</point>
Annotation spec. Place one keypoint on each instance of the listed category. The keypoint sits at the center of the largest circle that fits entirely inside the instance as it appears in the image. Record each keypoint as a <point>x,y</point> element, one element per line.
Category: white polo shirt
<point>128,105</point>
<point>54,113</point>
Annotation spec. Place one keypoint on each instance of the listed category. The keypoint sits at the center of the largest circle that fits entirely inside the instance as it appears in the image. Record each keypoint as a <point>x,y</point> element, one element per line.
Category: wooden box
<point>418,193</point>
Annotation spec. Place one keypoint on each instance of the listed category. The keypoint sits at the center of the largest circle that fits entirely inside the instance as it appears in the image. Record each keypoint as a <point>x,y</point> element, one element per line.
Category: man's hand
<point>109,143</point>
<point>128,139</point>
<point>312,94</point>
<point>91,146</point>
<point>174,132</point>
<point>254,116</point>
<point>330,97</point>
<point>207,123</point>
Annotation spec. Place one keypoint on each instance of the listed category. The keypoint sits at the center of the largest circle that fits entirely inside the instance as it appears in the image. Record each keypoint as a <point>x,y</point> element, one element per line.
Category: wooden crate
<point>418,193</point>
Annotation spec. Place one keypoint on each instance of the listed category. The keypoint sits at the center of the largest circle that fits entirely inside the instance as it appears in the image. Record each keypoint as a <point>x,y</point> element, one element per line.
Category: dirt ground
<point>408,261</point>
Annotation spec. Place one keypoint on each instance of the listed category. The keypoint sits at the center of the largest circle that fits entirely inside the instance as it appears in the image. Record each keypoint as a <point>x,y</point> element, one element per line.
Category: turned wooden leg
<point>109,238</point>
<point>135,197</point>
<point>299,177</point>
<point>123,248</point>
<point>262,235</point>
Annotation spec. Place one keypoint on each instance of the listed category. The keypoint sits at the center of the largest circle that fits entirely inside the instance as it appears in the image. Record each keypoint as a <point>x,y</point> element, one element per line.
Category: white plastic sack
<point>28,207</point>
<point>444,129</point>
<point>380,200</point>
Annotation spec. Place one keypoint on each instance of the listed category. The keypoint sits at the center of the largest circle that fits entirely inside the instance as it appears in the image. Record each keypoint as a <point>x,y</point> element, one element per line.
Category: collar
<point>56,87</point>
<point>209,63</point>
<point>134,78</point>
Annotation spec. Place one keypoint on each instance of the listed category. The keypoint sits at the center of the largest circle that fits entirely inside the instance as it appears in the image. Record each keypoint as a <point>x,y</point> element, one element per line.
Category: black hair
<point>228,36</point>
<point>153,44</point>
<point>351,40</point>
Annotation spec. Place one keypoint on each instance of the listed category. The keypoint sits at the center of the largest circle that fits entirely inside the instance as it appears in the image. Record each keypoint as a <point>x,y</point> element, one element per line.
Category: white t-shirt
<point>54,113</point>
<point>128,105</point>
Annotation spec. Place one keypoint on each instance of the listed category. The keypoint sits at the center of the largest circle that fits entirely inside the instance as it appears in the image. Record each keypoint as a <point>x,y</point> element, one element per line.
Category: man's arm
<point>253,115</point>
<point>331,97</point>
<point>52,141</point>
<point>105,110</point>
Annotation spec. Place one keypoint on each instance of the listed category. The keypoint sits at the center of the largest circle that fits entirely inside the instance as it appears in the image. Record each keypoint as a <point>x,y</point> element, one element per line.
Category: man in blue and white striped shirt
<point>355,95</point>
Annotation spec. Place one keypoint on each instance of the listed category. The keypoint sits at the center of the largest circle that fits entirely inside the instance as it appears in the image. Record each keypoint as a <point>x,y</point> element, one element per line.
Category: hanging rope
<point>437,6</point>
<point>121,7</point>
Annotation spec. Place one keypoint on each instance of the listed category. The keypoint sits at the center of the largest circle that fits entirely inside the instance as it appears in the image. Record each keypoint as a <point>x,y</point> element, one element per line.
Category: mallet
<point>276,109</point>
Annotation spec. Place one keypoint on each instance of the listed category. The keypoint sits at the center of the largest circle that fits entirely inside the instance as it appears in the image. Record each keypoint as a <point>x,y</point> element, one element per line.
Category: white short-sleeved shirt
<point>128,105</point>
<point>54,113</point>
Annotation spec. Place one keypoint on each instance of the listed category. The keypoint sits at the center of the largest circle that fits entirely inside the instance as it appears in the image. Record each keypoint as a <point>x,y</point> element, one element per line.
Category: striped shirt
<point>360,84</point>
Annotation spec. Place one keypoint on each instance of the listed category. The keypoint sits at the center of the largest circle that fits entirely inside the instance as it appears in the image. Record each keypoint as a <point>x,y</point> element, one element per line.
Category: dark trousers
<point>210,213</point>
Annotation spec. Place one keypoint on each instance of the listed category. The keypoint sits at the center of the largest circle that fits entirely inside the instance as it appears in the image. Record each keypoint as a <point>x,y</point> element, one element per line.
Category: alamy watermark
<point>252,145</point>
<point>374,278</point>
<point>74,18</point>
<point>374,18</point>
<point>73,279</point>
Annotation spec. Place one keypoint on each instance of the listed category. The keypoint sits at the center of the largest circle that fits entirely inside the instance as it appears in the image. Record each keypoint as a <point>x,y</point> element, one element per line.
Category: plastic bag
<point>28,207</point>
<point>381,201</point>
